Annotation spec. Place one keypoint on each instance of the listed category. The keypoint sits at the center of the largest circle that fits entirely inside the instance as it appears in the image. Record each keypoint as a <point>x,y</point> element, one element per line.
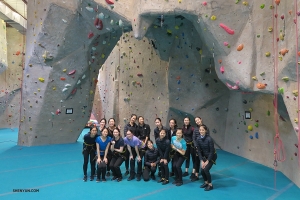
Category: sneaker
<point>126,173</point>
<point>108,174</point>
<point>179,183</point>
<point>153,177</point>
<point>185,174</point>
<point>196,178</point>
<point>103,179</point>
<point>209,187</point>
<point>119,179</point>
<point>98,180</point>
<point>114,178</point>
<point>161,180</point>
<point>85,178</point>
<point>204,185</point>
<point>159,174</point>
<point>192,175</point>
<point>130,178</point>
<point>175,182</point>
<point>138,178</point>
<point>165,182</point>
<point>92,178</point>
<point>172,174</point>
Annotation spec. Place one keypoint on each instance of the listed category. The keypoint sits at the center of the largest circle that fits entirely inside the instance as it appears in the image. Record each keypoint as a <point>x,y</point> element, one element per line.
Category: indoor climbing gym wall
<point>233,63</point>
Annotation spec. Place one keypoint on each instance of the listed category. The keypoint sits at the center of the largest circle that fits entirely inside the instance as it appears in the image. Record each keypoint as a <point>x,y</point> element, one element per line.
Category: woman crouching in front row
<point>151,161</point>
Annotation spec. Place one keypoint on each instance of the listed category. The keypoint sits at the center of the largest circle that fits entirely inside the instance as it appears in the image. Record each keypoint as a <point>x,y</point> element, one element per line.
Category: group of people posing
<point>107,149</point>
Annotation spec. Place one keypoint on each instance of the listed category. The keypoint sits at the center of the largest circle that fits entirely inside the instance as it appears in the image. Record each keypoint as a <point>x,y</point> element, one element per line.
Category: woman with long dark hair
<point>102,143</point>
<point>163,145</point>
<point>151,161</point>
<point>89,149</point>
<point>188,130</point>
<point>118,154</point>
<point>178,144</point>
<point>207,155</point>
<point>172,132</point>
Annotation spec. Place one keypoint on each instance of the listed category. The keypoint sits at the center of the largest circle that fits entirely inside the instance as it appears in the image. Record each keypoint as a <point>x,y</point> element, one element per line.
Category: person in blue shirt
<point>102,144</point>
<point>178,144</point>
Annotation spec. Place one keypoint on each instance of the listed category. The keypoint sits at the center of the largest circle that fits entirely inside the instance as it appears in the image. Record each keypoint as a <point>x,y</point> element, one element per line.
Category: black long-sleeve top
<point>156,132</point>
<point>134,128</point>
<point>170,134</point>
<point>143,131</point>
<point>88,141</point>
<point>188,133</point>
<point>164,147</point>
<point>205,147</point>
<point>151,156</point>
<point>196,134</point>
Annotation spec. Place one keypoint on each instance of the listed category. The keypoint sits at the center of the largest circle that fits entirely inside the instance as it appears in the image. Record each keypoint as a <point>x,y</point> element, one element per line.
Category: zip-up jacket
<point>151,156</point>
<point>164,147</point>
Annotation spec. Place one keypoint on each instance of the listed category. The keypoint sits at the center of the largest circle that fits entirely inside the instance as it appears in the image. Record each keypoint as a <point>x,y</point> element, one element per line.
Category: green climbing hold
<point>268,113</point>
<point>244,123</point>
<point>256,124</point>
<point>263,73</point>
<point>285,79</point>
<point>262,6</point>
<point>280,90</point>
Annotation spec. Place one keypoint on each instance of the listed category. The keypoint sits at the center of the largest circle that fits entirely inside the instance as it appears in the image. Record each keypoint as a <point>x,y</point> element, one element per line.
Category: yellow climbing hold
<point>103,55</point>
<point>64,70</point>
<point>270,29</point>
<point>41,80</point>
<point>169,31</point>
<point>285,79</point>
<point>39,89</point>
<point>91,92</point>
<point>177,27</point>
<point>54,88</point>
<point>268,54</point>
<point>296,120</point>
<point>213,17</point>
<point>250,109</point>
<point>254,78</point>
<point>250,128</point>
<point>281,36</point>
<point>295,93</point>
<point>179,1</point>
<point>245,3</point>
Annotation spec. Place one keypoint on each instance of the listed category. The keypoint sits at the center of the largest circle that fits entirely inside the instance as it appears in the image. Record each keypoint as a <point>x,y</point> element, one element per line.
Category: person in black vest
<point>89,150</point>
<point>172,132</point>
<point>188,130</point>
<point>163,145</point>
<point>133,127</point>
<point>207,156</point>
<point>151,161</point>
<point>118,154</point>
<point>157,130</point>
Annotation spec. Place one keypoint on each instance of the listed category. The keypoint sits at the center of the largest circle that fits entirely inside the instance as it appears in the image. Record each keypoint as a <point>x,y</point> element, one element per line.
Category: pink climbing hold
<point>74,91</point>
<point>110,2</point>
<point>72,72</point>
<point>57,112</point>
<point>233,87</point>
<point>204,3</point>
<point>227,29</point>
<point>90,35</point>
<point>222,70</point>
<point>225,44</point>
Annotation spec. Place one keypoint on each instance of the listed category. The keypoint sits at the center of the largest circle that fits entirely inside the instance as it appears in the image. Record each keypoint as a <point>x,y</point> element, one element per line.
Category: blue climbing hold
<point>178,82</point>
<point>251,137</point>
<point>180,68</point>
<point>256,135</point>
<point>177,98</point>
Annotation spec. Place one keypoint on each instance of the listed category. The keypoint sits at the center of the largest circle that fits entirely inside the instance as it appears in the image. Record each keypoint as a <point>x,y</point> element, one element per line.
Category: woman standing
<point>178,144</point>
<point>118,154</point>
<point>151,161</point>
<point>157,130</point>
<point>172,132</point>
<point>102,125</point>
<point>102,143</point>
<point>207,156</point>
<point>163,146</point>
<point>89,149</point>
<point>188,137</point>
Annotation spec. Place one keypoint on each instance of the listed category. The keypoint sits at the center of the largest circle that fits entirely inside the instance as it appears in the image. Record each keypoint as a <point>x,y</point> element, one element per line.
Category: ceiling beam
<point>5,3</point>
<point>25,1</point>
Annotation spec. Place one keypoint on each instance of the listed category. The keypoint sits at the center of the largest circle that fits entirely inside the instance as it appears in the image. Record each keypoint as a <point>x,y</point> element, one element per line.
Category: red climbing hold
<point>109,2</point>
<point>222,70</point>
<point>227,29</point>
<point>90,35</point>
<point>139,75</point>
<point>74,91</point>
<point>98,23</point>
<point>72,72</point>
<point>62,78</point>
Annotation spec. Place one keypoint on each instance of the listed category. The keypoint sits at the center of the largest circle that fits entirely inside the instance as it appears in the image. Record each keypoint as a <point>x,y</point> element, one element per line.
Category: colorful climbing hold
<point>227,29</point>
<point>240,47</point>
<point>280,90</point>
<point>256,135</point>
<point>72,72</point>
<point>41,80</point>
<point>222,70</point>
<point>260,86</point>
<point>213,17</point>
<point>285,79</point>
<point>250,128</point>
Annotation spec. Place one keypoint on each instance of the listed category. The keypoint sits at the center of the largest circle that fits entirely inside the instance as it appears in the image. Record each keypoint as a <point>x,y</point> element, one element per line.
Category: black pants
<point>115,164</point>
<point>196,163</point>
<point>88,153</point>
<point>140,163</point>
<point>101,169</point>
<point>109,157</point>
<point>147,172</point>
<point>164,170</point>
<point>178,160</point>
<point>132,163</point>
<point>205,172</point>
<point>189,153</point>
<point>127,161</point>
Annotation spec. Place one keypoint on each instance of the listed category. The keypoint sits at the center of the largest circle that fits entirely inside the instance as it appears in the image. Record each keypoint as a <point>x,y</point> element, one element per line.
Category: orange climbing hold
<point>240,47</point>
<point>260,86</point>
<point>18,53</point>
<point>62,78</point>
<point>283,51</point>
<point>277,2</point>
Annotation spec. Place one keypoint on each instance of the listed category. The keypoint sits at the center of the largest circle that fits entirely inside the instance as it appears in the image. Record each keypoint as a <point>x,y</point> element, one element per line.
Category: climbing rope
<point>279,153</point>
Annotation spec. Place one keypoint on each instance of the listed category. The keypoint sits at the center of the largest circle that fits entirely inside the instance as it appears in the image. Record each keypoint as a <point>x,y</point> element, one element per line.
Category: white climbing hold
<point>68,85</point>
<point>89,9</point>
<point>104,42</point>
<point>83,77</point>
<point>112,22</point>
<point>120,23</point>
<point>65,89</point>
<point>94,48</point>
<point>101,16</point>
<point>65,21</point>
<point>78,82</point>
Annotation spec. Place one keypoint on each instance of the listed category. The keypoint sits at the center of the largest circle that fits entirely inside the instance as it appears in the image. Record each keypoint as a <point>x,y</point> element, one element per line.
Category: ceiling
<point>18,6</point>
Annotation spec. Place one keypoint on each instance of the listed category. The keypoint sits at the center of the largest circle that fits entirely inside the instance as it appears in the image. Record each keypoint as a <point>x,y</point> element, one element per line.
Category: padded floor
<point>56,172</point>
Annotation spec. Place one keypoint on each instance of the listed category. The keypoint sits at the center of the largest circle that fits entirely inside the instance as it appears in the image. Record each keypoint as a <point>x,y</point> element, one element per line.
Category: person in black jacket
<point>133,127</point>
<point>157,130</point>
<point>89,151</point>
<point>143,131</point>
<point>188,130</point>
<point>151,161</point>
<point>172,132</point>
<point>207,156</point>
<point>164,146</point>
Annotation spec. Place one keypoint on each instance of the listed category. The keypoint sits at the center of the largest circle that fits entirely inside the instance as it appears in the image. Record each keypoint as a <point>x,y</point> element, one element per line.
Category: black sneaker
<point>165,182</point>
<point>153,177</point>
<point>108,174</point>
<point>204,185</point>
<point>159,174</point>
<point>172,174</point>
<point>175,182</point>
<point>85,178</point>
<point>114,178</point>
<point>119,179</point>
<point>209,187</point>
<point>161,180</point>
<point>179,183</point>
<point>185,174</point>
<point>92,178</point>
<point>196,178</point>
<point>138,178</point>
<point>192,175</point>
<point>130,178</point>
<point>103,179</point>
<point>126,173</point>
<point>98,180</point>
